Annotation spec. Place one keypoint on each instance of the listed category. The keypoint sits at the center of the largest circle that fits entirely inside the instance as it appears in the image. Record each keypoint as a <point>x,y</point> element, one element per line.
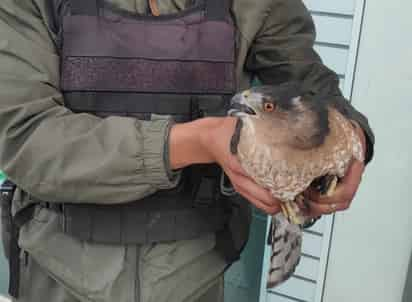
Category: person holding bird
<point>114,131</point>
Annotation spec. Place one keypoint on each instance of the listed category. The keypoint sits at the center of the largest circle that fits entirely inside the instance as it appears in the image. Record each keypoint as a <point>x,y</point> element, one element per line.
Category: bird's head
<point>283,114</point>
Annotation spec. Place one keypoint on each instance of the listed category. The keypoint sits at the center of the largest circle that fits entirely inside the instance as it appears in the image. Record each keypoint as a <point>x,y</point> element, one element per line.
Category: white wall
<point>372,241</point>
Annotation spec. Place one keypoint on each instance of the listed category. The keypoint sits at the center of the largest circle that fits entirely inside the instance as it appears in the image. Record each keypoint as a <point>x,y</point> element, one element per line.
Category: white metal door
<point>338,25</point>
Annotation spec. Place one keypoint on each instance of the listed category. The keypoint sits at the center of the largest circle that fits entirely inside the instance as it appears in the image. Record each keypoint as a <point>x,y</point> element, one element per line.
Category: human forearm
<point>59,156</point>
<point>188,142</point>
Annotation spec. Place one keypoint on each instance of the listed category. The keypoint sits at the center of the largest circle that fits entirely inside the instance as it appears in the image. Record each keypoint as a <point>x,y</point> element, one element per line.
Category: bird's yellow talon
<point>284,210</point>
<point>332,187</point>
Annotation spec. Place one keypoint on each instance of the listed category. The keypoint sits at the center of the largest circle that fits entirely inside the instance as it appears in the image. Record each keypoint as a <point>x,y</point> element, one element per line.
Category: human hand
<point>344,194</point>
<point>217,141</point>
<point>207,140</point>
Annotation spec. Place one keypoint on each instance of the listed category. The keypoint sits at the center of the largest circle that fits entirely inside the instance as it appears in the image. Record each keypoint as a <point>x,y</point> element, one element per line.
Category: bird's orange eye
<point>269,107</point>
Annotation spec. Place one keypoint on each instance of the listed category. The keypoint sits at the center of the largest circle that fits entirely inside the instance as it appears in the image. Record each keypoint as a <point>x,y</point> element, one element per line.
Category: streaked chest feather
<point>286,172</point>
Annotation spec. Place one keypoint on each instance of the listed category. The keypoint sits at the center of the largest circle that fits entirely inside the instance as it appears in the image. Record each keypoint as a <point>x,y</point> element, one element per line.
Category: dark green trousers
<point>38,286</point>
<point>60,268</point>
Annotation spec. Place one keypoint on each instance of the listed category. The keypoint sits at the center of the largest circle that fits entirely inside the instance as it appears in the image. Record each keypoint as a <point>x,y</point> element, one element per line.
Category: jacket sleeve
<point>49,151</point>
<point>283,51</point>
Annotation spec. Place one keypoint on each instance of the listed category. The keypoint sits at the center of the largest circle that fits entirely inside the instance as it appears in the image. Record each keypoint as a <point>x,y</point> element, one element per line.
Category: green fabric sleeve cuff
<point>155,153</point>
<point>174,175</point>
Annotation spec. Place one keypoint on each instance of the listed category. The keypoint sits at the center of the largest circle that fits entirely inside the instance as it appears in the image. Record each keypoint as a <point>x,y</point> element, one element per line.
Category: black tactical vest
<point>117,63</point>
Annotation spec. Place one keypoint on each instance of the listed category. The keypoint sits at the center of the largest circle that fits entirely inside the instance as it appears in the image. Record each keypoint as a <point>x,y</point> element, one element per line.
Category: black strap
<point>232,239</point>
<point>18,221</point>
<point>206,192</point>
<point>129,224</point>
<point>84,7</point>
<point>14,262</point>
<point>217,10</point>
<point>6,195</point>
<point>21,217</point>
<point>129,102</point>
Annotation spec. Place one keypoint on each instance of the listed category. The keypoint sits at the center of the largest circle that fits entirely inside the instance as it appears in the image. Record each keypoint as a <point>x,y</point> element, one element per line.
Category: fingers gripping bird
<point>288,140</point>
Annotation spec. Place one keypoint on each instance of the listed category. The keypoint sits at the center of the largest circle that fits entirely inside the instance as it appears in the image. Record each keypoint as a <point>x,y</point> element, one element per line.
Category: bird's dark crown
<point>284,96</point>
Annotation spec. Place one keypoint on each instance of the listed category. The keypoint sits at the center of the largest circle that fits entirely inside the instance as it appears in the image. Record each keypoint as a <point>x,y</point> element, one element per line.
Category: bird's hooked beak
<point>239,105</point>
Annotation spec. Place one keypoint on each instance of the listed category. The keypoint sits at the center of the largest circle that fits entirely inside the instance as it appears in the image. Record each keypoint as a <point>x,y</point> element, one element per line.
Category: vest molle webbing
<point>116,63</point>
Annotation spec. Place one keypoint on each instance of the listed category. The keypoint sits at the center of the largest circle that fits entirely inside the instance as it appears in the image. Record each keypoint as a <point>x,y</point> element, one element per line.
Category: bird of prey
<point>287,139</point>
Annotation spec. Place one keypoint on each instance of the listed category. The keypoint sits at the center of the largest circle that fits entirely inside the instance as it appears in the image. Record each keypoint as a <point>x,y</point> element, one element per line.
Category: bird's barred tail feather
<point>286,241</point>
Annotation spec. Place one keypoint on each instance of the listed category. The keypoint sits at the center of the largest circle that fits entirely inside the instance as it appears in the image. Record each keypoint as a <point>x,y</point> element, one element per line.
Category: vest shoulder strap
<point>217,10</point>
<point>85,7</point>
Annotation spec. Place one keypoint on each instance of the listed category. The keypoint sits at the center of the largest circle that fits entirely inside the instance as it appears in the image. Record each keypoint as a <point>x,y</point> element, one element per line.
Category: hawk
<point>287,140</point>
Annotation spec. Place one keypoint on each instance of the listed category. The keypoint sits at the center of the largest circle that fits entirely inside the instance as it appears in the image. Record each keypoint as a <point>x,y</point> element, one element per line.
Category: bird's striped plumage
<point>285,151</point>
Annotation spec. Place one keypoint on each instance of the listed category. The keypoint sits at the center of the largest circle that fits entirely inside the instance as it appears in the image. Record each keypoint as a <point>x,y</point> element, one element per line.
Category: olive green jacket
<point>60,156</point>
